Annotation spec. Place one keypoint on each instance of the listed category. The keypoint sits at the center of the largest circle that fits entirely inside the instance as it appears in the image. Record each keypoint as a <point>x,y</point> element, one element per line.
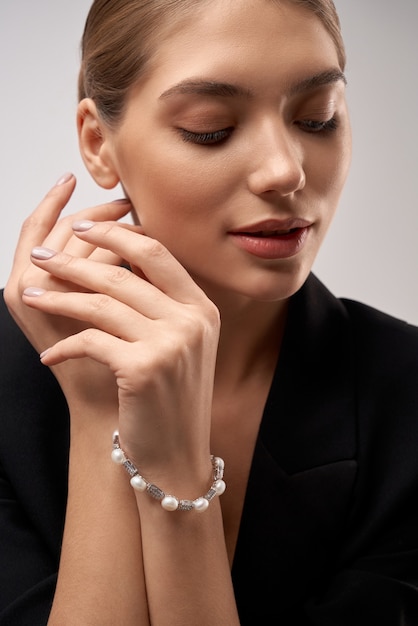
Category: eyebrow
<point>206,88</point>
<point>228,90</point>
<point>319,80</point>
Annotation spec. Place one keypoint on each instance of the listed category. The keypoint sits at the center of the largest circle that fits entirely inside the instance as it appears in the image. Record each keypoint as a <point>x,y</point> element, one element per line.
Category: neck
<point>251,334</point>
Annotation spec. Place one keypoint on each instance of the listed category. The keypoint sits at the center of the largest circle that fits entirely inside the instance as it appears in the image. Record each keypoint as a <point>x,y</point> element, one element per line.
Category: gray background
<point>371,253</point>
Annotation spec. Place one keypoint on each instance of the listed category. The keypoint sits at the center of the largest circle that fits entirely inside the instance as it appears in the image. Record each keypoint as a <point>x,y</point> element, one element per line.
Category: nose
<point>277,164</point>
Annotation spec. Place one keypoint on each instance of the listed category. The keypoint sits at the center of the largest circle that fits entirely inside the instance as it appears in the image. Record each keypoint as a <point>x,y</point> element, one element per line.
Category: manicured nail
<point>82,225</point>
<point>33,291</point>
<point>64,178</point>
<point>42,254</point>
<point>44,353</point>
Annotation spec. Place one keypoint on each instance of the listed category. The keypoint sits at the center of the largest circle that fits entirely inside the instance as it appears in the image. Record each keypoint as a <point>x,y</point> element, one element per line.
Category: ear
<point>95,145</point>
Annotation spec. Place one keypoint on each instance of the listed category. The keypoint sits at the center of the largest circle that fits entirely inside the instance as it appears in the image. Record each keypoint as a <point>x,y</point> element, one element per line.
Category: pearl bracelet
<point>168,502</point>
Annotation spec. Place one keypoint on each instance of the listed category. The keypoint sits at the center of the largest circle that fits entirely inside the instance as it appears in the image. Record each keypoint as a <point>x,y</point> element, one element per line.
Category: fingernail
<point>121,201</point>
<point>33,291</point>
<point>64,178</point>
<point>44,353</point>
<point>82,225</point>
<point>42,254</point>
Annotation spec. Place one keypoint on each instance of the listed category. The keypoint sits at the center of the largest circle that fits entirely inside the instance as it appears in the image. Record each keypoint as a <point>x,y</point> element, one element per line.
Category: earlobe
<point>95,146</point>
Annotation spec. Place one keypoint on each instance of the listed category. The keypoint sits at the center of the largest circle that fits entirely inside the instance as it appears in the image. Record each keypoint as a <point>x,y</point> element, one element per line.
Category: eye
<point>207,139</point>
<point>315,126</point>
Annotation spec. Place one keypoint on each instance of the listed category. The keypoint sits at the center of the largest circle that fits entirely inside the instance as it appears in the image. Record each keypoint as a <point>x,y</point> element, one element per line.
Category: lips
<point>270,233</point>
<point>272,239</point>
<point>272,228</point>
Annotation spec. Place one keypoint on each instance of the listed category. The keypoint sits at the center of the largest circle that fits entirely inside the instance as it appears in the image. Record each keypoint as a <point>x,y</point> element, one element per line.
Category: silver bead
<point>219,467</point>
<point>219,462</point>
<point>155,491</point>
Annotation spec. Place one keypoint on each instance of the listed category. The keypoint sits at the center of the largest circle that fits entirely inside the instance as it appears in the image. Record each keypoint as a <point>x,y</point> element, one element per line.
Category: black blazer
<point>329,533</point>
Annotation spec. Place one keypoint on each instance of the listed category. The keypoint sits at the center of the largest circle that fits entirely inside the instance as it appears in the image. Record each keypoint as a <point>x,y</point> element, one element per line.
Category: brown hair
<point>120,36</point>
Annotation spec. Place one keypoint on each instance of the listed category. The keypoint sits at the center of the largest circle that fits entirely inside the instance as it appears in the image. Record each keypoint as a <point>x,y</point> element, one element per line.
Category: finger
<point>75,247</point>
<point>93,343</point>
<point>153,259</point>
<point>61,237</point>
<point>106,257</point>
<point>36,227</point>
<point>98,310</point>
<point>40,276</point>
<point>118,282</point>
<point>78,248</point>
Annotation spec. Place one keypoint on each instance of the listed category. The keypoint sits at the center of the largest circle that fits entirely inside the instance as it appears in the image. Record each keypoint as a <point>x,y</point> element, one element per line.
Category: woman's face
<point>235,149</point>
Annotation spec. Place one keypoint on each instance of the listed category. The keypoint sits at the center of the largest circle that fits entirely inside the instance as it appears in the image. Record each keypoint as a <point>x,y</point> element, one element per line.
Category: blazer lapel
<point>304,465</point>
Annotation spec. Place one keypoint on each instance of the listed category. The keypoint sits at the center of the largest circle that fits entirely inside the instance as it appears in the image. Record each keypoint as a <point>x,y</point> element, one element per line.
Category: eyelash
<point>207,139</point>
<point>316,127</point>
<point>218,137</point>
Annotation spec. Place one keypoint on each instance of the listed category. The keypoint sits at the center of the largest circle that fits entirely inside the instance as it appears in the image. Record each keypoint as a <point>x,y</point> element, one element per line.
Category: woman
<point>200,331</point>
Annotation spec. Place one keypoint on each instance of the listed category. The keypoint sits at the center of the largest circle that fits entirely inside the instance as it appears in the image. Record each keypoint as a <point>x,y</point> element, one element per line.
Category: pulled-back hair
<point>120,37</point>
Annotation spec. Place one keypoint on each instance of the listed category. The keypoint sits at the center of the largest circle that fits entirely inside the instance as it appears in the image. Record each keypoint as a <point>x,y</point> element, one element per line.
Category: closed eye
<point>316,126</point>
<point>207,139</point>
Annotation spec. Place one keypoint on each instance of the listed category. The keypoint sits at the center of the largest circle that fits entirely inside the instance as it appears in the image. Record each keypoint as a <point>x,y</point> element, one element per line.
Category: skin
<point>270,167</point>
<point>156,361</point>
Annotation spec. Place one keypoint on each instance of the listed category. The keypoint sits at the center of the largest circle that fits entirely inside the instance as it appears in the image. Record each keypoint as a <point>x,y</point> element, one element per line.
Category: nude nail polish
<point>64,178</point>
<point>82,225</point>
<point>33,291</point>
<point>44,353</point>
<point>42,254</point>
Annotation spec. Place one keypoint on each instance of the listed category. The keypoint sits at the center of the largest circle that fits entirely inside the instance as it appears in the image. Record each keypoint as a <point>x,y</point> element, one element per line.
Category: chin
<point>275,294</point>
<point>276,286</point>
<point>279,284</point>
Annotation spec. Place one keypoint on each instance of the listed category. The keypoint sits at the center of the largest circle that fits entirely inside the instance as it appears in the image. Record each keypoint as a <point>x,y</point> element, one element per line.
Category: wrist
<point>164,494</point>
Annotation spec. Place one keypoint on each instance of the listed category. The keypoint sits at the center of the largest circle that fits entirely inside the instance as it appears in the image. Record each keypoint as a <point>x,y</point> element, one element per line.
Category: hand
<point>158,333</point>
<point>45,228</point>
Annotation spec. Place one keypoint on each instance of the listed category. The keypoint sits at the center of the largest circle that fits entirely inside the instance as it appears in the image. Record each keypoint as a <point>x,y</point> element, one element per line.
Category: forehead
<point>236,40</point>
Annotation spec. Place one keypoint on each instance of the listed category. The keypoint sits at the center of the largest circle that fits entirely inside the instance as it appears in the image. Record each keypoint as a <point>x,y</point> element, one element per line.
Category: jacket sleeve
<point>27,569</point>
<point>33,479</point>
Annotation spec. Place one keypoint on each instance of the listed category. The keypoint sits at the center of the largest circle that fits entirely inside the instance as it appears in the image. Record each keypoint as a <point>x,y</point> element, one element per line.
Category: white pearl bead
<point>169,503</point>
<point>220,487</point>
<point>138,483</point>
<point>201,504</point>
<point>118,456</point>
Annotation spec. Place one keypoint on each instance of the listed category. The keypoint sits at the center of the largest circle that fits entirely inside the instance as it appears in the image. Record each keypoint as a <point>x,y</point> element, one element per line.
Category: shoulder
<point>33,476</point>
<point>20,368</point>
<point>33,419</point>
<point>380,342</point>
<point>385,371</point>
<point>380,355</point>
<point>25,384</point>
<point>386,356</point>
<point>13,342</point>
<point>375,353</point>
<point>382,332</point>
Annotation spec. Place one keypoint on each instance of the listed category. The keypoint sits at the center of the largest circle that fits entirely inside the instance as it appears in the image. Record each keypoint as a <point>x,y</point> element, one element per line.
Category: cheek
<point>174,189</point>
<point>329,169</point>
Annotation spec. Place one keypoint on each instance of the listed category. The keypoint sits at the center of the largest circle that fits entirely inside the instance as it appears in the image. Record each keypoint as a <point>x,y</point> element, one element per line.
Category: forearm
<point>101,580</point>
<point>186,566</point>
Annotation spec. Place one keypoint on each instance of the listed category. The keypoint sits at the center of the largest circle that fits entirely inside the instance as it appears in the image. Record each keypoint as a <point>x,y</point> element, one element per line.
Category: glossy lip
<point>273,239</point>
